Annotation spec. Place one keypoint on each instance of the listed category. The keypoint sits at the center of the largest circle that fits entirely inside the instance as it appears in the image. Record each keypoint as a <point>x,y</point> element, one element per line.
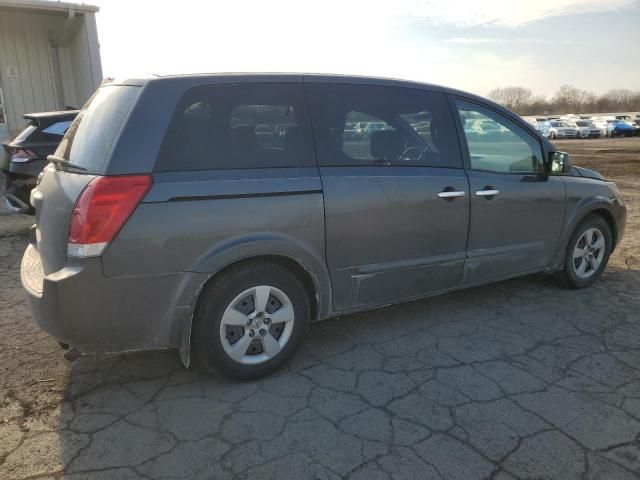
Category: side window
<point>356,137</point>
<point>238,126</point>
<point>498,144</point>
<point>361,125</point>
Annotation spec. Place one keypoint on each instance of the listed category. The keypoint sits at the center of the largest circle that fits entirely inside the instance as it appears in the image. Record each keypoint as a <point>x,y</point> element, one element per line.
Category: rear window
<point>51,134</point>
<point>91,136</point>
<point>238,126</point>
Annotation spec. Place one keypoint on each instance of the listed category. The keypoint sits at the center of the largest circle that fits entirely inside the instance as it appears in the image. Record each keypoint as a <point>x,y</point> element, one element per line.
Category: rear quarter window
<point>90,138</point>
<point>239,126</point>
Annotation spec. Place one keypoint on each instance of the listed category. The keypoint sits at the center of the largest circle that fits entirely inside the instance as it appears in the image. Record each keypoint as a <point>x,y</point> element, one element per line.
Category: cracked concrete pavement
<point>516,380</point>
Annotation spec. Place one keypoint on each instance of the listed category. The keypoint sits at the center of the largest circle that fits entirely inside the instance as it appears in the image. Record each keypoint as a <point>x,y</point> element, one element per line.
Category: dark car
<point>168,220</point>
<point>25,155</point>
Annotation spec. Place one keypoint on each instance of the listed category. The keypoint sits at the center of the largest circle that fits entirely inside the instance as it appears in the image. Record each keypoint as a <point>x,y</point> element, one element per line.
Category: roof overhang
<point>44,6</point>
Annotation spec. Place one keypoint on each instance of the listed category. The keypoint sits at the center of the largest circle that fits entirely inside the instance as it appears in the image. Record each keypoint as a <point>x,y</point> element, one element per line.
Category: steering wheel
<point>405,154</point>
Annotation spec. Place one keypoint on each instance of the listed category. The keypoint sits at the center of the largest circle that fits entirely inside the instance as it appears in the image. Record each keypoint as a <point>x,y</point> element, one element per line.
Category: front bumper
<point>620,216</point>
<point>80,306</point>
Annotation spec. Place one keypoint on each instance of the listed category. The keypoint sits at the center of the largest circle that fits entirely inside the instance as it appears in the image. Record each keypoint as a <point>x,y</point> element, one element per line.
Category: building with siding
<point>49,58</point>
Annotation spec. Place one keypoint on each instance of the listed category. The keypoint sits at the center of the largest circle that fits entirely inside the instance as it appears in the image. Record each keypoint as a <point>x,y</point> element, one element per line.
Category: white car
<point>559,129</point>
<point>587,129</point>
<point>540,121</point>
<point>601,124</point>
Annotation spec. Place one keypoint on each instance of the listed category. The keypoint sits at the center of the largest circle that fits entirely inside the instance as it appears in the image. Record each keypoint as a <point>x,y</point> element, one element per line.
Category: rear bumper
<point>19,183</point>
<point>31,168</point>
<point>80,306</point>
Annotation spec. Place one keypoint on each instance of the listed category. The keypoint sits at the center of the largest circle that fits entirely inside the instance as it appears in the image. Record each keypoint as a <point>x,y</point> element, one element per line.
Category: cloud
<point>472,41</point>
<point>508,13</point>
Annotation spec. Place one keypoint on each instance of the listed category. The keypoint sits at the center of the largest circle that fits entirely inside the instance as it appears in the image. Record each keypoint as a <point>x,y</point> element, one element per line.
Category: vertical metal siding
<point>26,43</point>
<point>78,67</point>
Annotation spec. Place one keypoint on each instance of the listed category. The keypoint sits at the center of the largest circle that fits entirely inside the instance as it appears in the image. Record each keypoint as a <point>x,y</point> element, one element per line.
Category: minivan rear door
<point>396,196</point>
<point>87,145</point>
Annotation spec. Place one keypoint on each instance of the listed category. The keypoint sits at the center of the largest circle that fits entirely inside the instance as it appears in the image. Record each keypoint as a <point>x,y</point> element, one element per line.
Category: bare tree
<point>568,99</point>
<point>511,97</point>
<point>619,96</point>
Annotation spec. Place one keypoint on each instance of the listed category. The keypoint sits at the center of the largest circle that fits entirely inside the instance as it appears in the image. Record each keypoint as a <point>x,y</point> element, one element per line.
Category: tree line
<point>568,99</point>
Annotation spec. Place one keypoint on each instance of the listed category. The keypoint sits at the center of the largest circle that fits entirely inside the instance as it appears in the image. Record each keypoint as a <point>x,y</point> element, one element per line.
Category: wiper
<point>62,161</point>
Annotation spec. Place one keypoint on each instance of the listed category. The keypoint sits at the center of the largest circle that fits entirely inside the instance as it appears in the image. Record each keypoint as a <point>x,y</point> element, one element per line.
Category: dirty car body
<point>407,213</point>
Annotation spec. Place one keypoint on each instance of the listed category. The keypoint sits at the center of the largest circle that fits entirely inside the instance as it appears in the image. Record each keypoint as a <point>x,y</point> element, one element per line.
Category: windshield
<point>582,124</point>
<point>91,136</point>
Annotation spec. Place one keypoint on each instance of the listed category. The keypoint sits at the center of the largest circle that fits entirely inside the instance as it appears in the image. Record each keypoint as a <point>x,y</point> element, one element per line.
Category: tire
<point>214,341</point>
<point>573,275</point>
<point>552,135</point>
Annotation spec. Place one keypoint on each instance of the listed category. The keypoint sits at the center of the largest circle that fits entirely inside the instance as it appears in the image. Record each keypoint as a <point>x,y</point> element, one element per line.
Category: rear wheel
<point>587,253</point>
<point>250,321</point>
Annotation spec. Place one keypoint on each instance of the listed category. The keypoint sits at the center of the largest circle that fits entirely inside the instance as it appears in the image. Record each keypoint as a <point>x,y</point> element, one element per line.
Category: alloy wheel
<point>588,252</point>
<point>257,325</point>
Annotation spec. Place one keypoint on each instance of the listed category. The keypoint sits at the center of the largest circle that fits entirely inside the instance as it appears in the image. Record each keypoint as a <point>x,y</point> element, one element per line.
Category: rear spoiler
<point>50,117</point>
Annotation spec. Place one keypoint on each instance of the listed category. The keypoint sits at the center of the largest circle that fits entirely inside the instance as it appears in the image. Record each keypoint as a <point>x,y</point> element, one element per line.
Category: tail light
<point>101,210</point>
<point>21,155</point>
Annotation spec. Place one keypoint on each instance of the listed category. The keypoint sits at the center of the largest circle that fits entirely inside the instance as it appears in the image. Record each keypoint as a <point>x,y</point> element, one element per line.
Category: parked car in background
<point>540,121</point>
<point>587,129</point>
<point>360,128</point>
<point>226,245</point>
<point>349,132</point>
<point>531,121</point>
<point>374,127</point>
<point>559,129</point>
<point>601,124</point>
<point>25,155</point>
<point>620,128</point>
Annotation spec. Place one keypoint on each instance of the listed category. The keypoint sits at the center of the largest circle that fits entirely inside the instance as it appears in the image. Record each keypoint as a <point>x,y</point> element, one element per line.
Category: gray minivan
<point>221,214</point>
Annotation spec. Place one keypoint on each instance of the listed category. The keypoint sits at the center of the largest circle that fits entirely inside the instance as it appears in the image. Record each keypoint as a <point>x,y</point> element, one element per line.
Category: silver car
<point>558,129</point>
<point>171,216</point>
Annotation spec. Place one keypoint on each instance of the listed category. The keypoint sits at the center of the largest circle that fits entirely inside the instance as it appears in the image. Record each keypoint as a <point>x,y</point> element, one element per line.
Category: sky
<point>471,45</point>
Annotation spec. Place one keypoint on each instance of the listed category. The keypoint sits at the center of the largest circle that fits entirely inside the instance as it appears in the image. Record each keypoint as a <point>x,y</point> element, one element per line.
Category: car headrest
<point>386,145</point>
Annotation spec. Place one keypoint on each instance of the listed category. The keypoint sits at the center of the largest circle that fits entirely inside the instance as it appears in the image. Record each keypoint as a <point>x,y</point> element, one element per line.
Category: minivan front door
<point>396,196</point>
<point>517,209</point>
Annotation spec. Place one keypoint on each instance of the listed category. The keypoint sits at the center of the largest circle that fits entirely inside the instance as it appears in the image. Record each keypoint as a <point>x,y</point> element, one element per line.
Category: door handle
<point>452,194</point>
<point>487,193</point>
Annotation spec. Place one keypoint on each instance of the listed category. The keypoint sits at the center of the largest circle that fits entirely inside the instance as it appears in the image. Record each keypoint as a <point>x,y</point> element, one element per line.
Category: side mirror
<point>559,162</point>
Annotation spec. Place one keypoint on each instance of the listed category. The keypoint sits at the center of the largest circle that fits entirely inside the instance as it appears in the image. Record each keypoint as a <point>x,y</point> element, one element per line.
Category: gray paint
<point>517,230</point>
<point>419,238</point>
<point>53,199</point>
<point>366,236</point>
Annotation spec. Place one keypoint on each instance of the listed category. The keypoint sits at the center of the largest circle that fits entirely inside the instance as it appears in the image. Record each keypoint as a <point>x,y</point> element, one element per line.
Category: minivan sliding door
<point>396,196</point>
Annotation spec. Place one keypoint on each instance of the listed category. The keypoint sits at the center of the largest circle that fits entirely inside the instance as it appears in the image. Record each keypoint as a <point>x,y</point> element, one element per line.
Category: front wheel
<point>587,253</point>
<point>250,321</point>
